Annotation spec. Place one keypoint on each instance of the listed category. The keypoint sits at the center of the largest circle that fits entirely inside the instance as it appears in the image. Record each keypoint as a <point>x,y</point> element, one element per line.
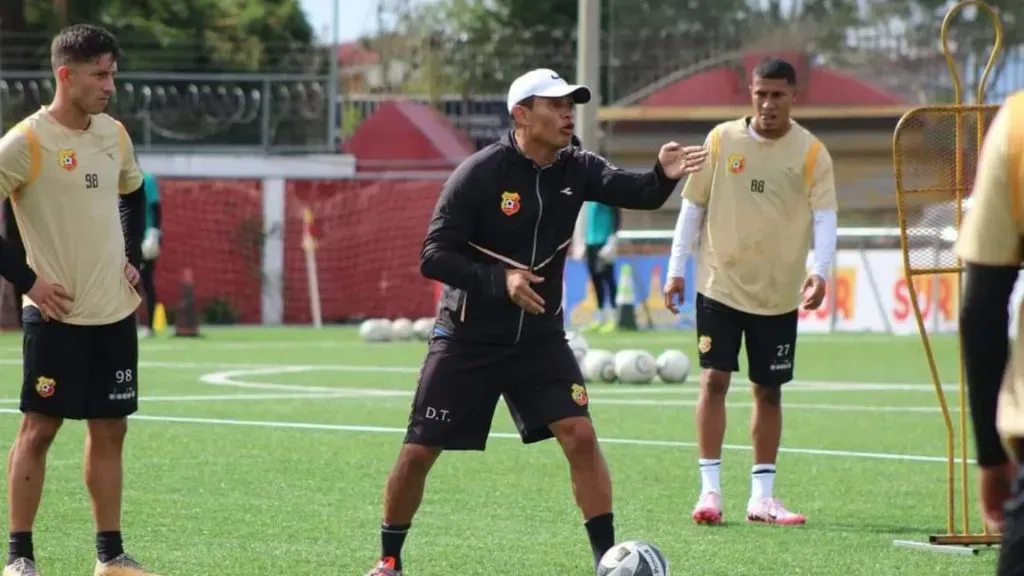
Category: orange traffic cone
<point>186,319</point>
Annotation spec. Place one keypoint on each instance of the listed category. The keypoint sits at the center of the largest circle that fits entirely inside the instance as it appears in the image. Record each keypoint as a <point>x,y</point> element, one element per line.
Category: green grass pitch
<point>264,451</point>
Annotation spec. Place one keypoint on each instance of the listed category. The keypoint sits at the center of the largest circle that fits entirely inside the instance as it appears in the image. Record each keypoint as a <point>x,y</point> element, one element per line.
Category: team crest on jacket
<point>735,163</point>
<point>509,203</point>
<point>579,395</point>
<point>67,159</point>
<point>45,387</point>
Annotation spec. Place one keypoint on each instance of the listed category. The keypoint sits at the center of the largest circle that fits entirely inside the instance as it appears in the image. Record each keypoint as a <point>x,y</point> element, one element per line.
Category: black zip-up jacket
<point>500,211</point>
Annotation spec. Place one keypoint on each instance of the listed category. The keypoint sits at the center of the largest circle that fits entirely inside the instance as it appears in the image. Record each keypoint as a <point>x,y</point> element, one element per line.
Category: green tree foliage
<point>179,35</point>
<point>971,38</point>
<point>489,42</point>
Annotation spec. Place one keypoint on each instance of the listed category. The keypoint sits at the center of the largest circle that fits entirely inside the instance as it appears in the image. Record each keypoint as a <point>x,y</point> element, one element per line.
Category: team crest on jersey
<point>735,163</point>
<point>45,387</point>
<point>579,395</point>
<point>509,203</point>
<point>704,344</point>
<point>67,159</point>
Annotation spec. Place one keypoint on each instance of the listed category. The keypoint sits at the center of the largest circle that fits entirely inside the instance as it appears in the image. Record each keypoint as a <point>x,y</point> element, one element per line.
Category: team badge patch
<point>735,163</point>
<point>579,394</point>
<point>45,387</point>
<point>704,344</point>
<point>67,159</point>
<point>509,203</point>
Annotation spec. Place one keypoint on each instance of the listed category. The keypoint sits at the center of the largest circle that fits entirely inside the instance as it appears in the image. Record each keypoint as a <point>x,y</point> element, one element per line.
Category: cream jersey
<point>64,186</point>
<point>991,233</point>
<point>759,197</point>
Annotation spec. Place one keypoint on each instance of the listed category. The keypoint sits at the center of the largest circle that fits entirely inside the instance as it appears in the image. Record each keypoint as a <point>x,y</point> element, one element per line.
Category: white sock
<point>609,314</point>
<point>762,480</point>
<point>709,475</point>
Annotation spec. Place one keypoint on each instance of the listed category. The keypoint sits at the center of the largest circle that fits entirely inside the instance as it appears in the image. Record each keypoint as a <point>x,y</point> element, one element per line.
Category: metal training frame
<point>962,539</point>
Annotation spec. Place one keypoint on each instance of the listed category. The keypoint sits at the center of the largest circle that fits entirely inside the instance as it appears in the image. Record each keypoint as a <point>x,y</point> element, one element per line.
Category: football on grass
<point>633,558</point>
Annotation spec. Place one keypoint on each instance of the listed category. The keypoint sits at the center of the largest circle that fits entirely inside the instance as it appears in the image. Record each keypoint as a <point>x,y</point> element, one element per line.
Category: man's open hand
<point>518,284</point>
<point>675,288</point>
<point>813,292</point>
<point>53,300</point>
<point>678,160</point>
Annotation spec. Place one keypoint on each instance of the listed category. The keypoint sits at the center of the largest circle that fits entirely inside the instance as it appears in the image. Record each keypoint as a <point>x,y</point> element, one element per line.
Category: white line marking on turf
<point>688,388</point>
<point>404,395</point>
<point>506,435</point>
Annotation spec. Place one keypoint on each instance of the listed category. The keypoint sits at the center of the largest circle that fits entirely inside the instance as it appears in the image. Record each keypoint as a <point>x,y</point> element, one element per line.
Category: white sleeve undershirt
<point>825,232</point>
<point>691,218</point>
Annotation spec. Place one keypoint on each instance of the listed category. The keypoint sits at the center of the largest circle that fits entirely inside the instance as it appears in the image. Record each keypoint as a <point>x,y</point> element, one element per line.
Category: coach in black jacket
<point>498,242</point>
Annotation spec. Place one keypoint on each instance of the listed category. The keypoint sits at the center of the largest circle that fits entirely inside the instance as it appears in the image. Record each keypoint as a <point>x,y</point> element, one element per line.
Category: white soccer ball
<point>598,366</point>
<point>375,330</point>
<point>579,346</point>
<point>634,558</point>
<point>673,366</point>
<point>635,366</point>
<point>422,327</point>
<point>401,329</point>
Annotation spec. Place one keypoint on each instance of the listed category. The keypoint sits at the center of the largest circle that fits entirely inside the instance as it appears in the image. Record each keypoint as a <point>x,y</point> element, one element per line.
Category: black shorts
<point>460,384</point>
<point>80,372</point>
<point>770,340</point>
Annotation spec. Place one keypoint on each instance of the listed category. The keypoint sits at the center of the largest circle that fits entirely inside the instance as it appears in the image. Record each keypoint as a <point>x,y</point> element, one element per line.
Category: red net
<point>370,233</point>
<point>214,228</point>
<point>368,254</point>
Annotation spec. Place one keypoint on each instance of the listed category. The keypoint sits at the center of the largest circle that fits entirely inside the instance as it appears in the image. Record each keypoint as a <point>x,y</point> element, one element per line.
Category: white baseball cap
<point>544,83</point>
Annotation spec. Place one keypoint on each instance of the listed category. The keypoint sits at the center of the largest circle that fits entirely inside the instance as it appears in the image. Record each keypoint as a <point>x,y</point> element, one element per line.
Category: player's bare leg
<point>714,385</point>
<point>104,477</point>
<point>26,467</point>
<point>766,435</point>
<point>402,496</point>
<point>591,480</point>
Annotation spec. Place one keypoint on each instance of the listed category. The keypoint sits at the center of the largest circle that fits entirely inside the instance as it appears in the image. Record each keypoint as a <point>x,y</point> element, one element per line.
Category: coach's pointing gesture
<point>678,160</point>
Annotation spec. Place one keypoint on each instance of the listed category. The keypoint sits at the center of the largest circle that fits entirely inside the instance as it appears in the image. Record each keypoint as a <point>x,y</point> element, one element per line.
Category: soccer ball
<point>634,558</point>
<point>375,330</point>
<point>635,366</point>
<point>578,344</point>
<point>598,366</point>
<point>422,328</point>
<point>673,366</point>
<point>401,329</point>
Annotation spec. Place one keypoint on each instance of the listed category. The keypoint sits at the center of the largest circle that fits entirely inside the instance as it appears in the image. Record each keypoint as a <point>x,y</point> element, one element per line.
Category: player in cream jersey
<point>990,244</point>
<point>768,183</point>
<point>67,211</point>
<point>77,195</point>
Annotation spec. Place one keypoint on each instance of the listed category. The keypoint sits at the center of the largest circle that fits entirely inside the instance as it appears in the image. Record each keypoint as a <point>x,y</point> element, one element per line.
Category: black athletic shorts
<point>79,372</point>
<point>770,340</point>
<point>1011,553</point>
<point>460,383</point>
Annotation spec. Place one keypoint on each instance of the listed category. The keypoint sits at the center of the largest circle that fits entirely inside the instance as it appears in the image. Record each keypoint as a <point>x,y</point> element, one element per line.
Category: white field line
<point>689,387</point>
<point>846,454</point>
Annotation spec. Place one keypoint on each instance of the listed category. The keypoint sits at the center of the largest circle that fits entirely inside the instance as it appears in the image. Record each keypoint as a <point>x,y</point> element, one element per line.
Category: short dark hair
<point>80,43</point>
<point>776,69</point>
<point>526,103</point>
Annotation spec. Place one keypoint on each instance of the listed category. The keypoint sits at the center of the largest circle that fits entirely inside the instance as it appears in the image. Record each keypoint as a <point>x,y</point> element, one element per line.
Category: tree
<point>971,40</point>
<point>489,42</point>
<point>179,35</point>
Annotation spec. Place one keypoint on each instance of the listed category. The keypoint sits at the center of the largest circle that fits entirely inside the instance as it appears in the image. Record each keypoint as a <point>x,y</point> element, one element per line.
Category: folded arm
<point>15,173</point>
<point>442,257</point>
<point>132,208</point>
